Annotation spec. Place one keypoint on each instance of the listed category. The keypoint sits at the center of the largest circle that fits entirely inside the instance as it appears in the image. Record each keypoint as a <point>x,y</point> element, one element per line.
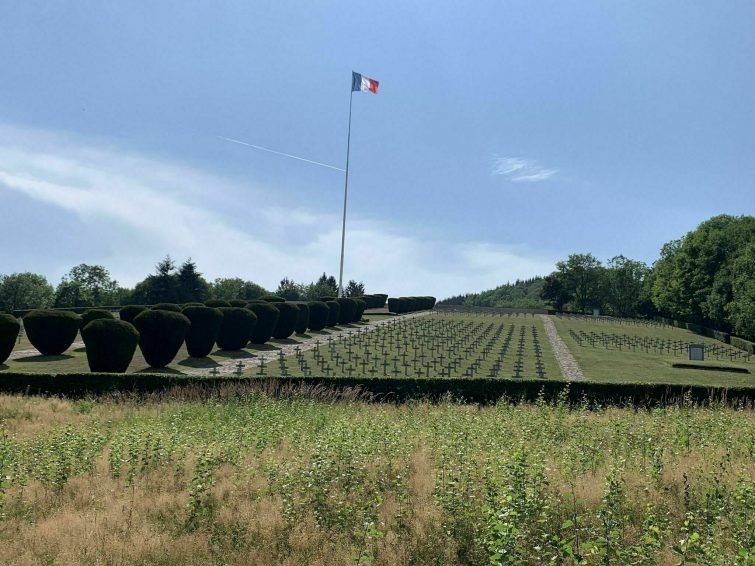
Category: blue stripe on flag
<point>356,82</point>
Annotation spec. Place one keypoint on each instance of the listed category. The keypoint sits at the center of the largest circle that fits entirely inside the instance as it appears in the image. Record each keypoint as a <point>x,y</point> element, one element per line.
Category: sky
<point>505,135</point>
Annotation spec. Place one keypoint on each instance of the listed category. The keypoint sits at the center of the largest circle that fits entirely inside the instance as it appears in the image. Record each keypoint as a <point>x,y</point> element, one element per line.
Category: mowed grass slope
<point>251,479</point>
<point>602,364</point>
<point>436,345</point>
<point>447,345</point>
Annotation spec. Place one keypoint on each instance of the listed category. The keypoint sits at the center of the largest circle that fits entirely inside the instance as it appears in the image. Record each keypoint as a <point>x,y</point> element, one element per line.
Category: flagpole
<point>345,197</point>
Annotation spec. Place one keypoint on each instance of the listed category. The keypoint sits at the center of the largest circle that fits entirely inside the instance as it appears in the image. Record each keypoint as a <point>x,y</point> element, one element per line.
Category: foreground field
<point>248,479</point>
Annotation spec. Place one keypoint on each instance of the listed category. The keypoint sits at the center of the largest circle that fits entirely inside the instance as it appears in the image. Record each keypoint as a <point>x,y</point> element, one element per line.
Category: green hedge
<point>348,311</point>
<point>129,312</point>
<point>95,314</point>
<point>9,329</point>
<point>482,391</point>
<point>302,322</point>
<point>267,317</point>
<point>172,307</point>
<point>410,304</point>
<point>110,344</point>
<point>238,325</point>
<point>361,306</point>
<point>286,325</point>
<point>204,329</point>
<point>743,344</point>
<point>217,303</point>
<point>719,335</point>
<point>51,332</point>
<point>272,299</point>
<point>335,312</point>
<point>319,313</point>
<point>239,303</point>
<point>161,334</point>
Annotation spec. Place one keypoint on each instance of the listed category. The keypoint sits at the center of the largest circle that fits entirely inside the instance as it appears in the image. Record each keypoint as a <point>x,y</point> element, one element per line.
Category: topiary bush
<point>172,307</point>
<point>110,344</point>
<point>95,314</point>
<point>52,332</point>
<point>128,313</point>
<point>217,303</point>
<point>272,299</point>
<point>289,314</point>
<point>238,303</point>
<point>361,306</point>
<point>319,313</point>
<point>335,312</point>
<point>302,323</point>
<point>204,329</point>
<point>161,334</point>
<point>9,329</point>
<point>348,311</point>
<point>238,325</point>
<point>184,305</point>
<point>379,299</point>
<point>267,318</point>
<point>393,305</point>
<point>410,304</point>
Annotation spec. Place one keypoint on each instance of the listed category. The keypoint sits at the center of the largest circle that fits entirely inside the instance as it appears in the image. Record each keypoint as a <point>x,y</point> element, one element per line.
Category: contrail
<point>281,153</point>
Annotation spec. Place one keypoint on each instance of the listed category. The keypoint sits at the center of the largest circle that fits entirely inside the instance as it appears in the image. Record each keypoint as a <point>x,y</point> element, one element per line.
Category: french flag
<point>360,83</point>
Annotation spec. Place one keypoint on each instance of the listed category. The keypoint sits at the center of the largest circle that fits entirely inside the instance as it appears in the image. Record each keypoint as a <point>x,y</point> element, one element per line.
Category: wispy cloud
<point>143,208</point>
<point>520,170</point>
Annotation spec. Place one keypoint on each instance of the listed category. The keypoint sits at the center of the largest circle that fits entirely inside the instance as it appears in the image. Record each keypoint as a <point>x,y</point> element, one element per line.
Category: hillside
<point>522,294</point>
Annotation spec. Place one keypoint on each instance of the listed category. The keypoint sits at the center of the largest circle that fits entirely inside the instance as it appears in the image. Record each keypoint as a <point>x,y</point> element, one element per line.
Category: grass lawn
<point>23,343</point>
<point>251,479</point>
<point>469,347</point>
<point>376,317</point>
<point>439,345</point>
<point>602,364</point>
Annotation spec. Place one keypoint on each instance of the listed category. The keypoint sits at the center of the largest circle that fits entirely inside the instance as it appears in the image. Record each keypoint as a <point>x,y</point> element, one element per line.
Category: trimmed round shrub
<point>172,307</point>
<point>361,306</point>
<point>239,303</point>
<point>184,305</point>
<point>238,325</point>
<point>95,314</point>
<point>52,332</point>
<point>128,313</point>
<point>272,299</point>
<point>348,311</point>
<point>289,314</point>
<point>302,323</point>
<point>161,334</point>
<point>110,344</point>
<point>318,315</point>
<point>217,303</point>
<point>204,329</point>
<point>267,318</point>
<point>9,329</point>
<point>326,299</point>
<point>335,312</point>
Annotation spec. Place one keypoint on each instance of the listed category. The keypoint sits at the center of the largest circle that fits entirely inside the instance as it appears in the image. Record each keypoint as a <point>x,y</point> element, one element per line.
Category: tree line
<point>521,294</point>
<point>92,286</point>
<point>706,277</point>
